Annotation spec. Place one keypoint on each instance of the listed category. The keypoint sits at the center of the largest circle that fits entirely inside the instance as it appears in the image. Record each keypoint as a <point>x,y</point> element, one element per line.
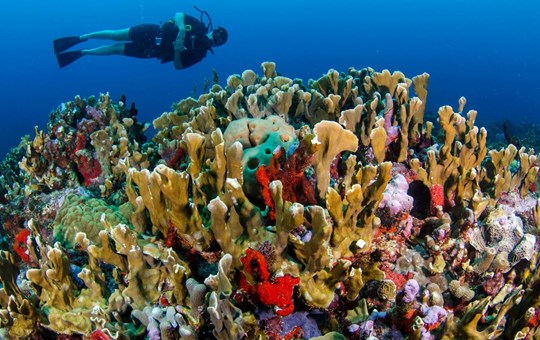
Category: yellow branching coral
<point>226,318</point>
<point>378,141</point>
<point>467,326</point>
<point>249,77</point>
<point>8,276</point>
<point>225,231</point>
<point>233,105</point>
<point>368,121</point>
<point>349,118</point>
<point>457,165</point>
<point>165,195</point>
<point>289,216</point>
<point>499,173</point>
<point>53,278</point>
<point>195,146</point>
<point>333,140</point>
<point>387,82</point>
<point>354,215</point>
<point>142,281</point>
<point>235,221</point>
<point>282,100</point>
<point>407,113</point>
<point>234,162</point>
<point>318,288</point>
<point>67,314</point>
<point>233,81</point>
<point>17,312</point>
<point>210,182</point>
<point>269,69</point>
<point>104,253</point>
<point>315,252</point>
<point>328,84</point>
<point>420,83</point>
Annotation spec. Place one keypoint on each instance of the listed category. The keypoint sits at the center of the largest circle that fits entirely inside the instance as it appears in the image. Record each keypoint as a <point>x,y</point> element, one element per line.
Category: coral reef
<point>270,208</point>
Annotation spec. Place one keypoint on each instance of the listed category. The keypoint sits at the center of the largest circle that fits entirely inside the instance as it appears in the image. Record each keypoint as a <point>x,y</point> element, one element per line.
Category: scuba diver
<point>183,40</point>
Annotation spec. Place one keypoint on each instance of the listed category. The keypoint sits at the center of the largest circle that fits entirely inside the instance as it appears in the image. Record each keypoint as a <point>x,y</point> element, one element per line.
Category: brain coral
<point>82,214</point>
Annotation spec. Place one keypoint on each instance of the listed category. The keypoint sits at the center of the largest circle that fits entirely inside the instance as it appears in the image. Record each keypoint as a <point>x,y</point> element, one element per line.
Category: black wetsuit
<point>154,41</point>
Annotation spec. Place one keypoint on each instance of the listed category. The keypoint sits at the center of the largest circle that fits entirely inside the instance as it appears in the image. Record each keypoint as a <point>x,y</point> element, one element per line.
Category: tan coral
<point>68,314</point>
<point>269,69</point>
<point>226,318</point>
<point>378,138</point>
<point>408,129</point>
<point>387,82</point>
<point>420,83</point>
<point>165,195</point>
<point>315,253</point>
<point>354,215</point>
<point>333,140</point>
<point>349,118</point>
<point>16,311</point>
<point>317,288</point>
<point>235,221</point>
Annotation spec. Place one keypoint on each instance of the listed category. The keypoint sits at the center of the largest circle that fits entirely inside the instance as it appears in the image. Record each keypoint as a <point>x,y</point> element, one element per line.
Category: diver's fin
<point>62,44</point>
<point>66,58</point>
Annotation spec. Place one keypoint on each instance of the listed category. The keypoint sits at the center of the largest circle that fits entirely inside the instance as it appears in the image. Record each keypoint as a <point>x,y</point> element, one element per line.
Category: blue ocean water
<point>487,51</point>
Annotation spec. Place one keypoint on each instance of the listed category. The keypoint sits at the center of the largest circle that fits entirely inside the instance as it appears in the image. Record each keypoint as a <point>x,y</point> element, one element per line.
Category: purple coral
<point>366,328</point>
<point>433,316</point>
<point>308,324</point>
<point>392,132</point>
<point>395,197</point>
<point>410,290</point>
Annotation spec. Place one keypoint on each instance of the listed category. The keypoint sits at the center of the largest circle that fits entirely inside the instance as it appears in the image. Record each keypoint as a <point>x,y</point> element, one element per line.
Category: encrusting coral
<point>270,209</point>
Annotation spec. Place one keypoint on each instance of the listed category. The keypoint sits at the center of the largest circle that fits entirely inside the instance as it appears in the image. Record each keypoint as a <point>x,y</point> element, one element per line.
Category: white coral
<point>524,249</point>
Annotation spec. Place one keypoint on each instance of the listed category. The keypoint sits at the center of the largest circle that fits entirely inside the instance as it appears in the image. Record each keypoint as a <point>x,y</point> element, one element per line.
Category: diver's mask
<point>219,36</point>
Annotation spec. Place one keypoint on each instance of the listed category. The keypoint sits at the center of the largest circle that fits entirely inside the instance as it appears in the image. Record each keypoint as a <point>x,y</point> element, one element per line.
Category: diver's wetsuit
<point>145,41</point>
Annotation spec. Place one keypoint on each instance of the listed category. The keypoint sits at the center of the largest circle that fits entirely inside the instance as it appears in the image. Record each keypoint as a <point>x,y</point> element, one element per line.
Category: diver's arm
<point>179,42</point>
<point>178,60</point>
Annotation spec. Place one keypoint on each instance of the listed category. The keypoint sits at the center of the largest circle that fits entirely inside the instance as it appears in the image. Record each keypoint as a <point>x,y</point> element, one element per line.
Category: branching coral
<point>333,140</point>
<point>84,143</point>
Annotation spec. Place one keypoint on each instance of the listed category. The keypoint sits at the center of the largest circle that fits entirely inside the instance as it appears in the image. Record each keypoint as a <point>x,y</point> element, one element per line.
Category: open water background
<point>487,51</point>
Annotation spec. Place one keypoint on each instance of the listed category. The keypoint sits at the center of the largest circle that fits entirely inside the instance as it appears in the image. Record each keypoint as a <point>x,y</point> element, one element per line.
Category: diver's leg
<point>62,44</point>
<point>105,50</point>
<point>118,35</point>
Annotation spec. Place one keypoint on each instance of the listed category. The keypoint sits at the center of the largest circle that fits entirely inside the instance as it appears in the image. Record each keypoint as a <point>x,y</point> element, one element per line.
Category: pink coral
<point>392,132</point>
<point>437,197</point>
